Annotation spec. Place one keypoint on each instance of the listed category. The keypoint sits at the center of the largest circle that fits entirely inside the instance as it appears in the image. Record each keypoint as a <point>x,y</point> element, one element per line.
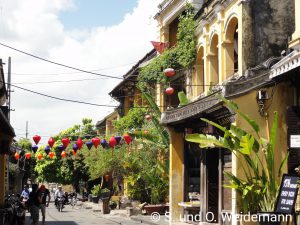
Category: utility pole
<point>8,88</point>
<point>26,129</point>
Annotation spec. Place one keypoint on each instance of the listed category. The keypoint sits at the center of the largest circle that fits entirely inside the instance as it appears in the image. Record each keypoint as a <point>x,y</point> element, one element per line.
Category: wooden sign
<point>287,194</point>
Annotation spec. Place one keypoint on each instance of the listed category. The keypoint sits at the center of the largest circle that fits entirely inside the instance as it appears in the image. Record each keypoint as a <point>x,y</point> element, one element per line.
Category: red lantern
<point>96,141</point>
<point>106,177</point>
<point>51,142</point>
<point>148,117</point>
<point>27,155</point>
<point>51,155</point>
<point>169,91</point>
<point>36,139</point>
<point>17,156</point>
<point>63,154</point>
<point>79,143</point>
<point>39,156</point>
<point>112,142</point>
<point>73,152</point>
<point>65,142</point>
<point>127,138</point>
<point>169,72</point>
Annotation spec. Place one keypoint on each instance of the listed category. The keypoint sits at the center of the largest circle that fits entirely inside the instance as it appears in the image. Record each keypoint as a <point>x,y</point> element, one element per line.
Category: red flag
<point>159,46</point>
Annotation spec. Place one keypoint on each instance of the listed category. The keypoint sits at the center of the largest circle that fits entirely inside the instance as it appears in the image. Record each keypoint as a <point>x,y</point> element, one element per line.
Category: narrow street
<point>81,216</point>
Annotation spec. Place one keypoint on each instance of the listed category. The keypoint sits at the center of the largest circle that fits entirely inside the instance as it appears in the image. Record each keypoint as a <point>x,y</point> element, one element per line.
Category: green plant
<point>96,190</point>
<point>259,186</point>
<point>104,190</point>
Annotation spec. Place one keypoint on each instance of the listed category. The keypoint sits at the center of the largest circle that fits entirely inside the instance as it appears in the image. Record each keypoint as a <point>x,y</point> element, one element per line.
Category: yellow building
<point>238,45</point>
<point>6,136</point>
<point>105,126</point>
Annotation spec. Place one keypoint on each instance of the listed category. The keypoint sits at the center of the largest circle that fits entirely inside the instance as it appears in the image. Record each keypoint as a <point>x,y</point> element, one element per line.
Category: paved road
<point>82,216</point>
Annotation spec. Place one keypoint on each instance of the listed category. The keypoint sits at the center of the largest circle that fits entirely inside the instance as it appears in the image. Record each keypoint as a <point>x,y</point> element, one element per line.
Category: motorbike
<point>16,211</point>
<point>60,201</point>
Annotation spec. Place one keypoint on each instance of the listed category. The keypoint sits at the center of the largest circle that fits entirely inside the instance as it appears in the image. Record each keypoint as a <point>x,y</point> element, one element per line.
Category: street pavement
<point>82,216</point>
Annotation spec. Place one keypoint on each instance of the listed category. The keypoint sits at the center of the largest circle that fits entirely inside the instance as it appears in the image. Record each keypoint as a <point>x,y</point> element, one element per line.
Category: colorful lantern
<point>27,155</point>
<point>148,117</point>
<point>39,156</point>
<point>36,139</point>
<point>51,142</point>
<point>79,143</point>
<point>75,147</point>
<point>89,144</point>
<point>169,72</point>
<point>74,152</point>
<point>47,149</point>
<point>103,143</point>
<point>65,142</point>
<point>146,132</point>
<point>51,155</point>
<point>63,154</point>
<point>169,91</point>
<point>96,142</point>
<point>34,148</point>
<point>61,148</point>
<point>118,139</point>
<point>106,177</point>
<point>17,156</point>
<point>127,138</point>
<point>112,142</point>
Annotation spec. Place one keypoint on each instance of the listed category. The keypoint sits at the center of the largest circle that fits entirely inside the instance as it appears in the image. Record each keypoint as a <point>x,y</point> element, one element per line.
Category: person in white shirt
<point>58,193</point>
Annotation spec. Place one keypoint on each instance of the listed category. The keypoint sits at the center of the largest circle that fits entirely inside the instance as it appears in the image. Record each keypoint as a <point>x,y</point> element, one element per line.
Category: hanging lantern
<point>148,117</point>
<point>51,142</point>
<point>89,144</point>
<point>34,148</point>
<point>169,72</point>
<point>103,143</point>
<point>47,149</point>
<point>146,131</point>
<point>79,143</point>
<point>106,177</point>
<point>39,156</point>
<point>169,91</point>
<point>17,156</point>
<point>51,155</point>
<point>63,154</point>
<point>61,148</point>
<point>112,142</point>
<point>118,139</point>
<point>65,142</point>
<point>36,139</point>
<point>74,152</point>
<point>96,142</point>
<point>127,138</point>
<point>75,147</point>
<point>27,155</point>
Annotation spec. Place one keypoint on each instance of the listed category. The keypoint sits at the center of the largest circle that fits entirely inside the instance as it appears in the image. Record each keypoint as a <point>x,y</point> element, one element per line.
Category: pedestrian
<point>34,203</point>
<point>43,193</point>
<point>25,193</point>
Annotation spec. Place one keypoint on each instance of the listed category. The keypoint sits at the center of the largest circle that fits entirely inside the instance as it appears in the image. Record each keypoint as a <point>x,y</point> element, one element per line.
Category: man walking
<point>34,204</point>
<point>43,192</point>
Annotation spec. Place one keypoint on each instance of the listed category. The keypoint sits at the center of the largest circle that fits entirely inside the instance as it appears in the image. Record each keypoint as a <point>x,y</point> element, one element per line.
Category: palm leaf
<point>205,141</point>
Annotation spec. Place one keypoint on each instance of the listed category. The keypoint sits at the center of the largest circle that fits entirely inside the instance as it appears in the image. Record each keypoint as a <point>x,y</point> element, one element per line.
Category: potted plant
<point>112,205</point>
<point>258,189</point>
<point>105,193</point>
<point>96,192</point>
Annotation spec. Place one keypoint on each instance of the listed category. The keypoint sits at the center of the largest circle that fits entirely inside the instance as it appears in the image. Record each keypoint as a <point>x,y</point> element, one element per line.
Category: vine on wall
<point>181,56</point>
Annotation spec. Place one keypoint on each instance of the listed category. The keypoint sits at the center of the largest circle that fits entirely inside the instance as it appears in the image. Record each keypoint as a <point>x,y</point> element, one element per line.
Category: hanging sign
<point>295,141</point>
<point>287,194</point>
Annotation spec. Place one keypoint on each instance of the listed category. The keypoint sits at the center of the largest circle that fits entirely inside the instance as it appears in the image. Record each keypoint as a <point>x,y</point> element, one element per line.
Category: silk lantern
<point>75,147</point>
<point>65,142</point>
<point>169,91</point>
<point>34,148</point>
<point>51,155</point>
<point>47,149</point>
<point>39,156</point>
<point>17,156</point>
<point>127,138</point>
<point>106,177</point>
<point>103,143</point>
<point>118,139</point>
<point>61,148</point>
<point>169,72</point>
<point>36,139</point>
<point>112,142</point>
<point>79,143</point>
<point>74,152</point>
<point>51,142</point>
<point>96,142</point>
<point>27,155</point>
<point>89,144</point>
<point>63,154</point>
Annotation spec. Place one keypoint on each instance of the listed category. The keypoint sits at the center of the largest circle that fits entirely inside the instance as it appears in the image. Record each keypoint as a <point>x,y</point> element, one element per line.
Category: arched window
<point>214,60</point>
<point>198,76</point>
<point>231,48</point>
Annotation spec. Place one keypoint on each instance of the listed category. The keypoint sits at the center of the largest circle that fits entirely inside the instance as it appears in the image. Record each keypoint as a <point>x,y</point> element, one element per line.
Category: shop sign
<point>295,141</point>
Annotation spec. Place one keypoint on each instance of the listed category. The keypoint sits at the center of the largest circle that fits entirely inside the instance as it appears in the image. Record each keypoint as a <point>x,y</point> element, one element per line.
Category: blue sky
<point>93,13</point>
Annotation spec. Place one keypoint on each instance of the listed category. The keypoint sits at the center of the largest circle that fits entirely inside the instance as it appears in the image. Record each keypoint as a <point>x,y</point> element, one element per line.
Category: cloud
<point>34,26</point>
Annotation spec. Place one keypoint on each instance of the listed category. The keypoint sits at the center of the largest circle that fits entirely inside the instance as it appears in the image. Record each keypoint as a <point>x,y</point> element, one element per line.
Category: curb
<point>143,221</point>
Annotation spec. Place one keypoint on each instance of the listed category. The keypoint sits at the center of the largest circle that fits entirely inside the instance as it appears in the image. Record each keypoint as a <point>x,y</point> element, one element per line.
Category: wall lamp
<point>261,98</point>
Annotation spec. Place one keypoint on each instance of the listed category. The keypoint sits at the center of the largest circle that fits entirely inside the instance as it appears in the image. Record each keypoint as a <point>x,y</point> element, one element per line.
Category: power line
<point>60,64</point>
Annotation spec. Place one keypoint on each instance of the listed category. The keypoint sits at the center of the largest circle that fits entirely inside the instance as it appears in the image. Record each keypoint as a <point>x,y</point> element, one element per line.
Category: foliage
<point>180,56</point>
<point>96,190</point>
<point>259,187</point>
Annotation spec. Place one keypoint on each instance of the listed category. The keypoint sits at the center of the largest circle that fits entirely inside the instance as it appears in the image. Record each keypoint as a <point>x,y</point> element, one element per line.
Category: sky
<point>106,37</point>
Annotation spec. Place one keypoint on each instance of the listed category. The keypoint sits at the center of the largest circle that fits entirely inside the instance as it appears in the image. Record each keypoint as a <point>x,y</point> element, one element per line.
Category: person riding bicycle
<point>58,194</point>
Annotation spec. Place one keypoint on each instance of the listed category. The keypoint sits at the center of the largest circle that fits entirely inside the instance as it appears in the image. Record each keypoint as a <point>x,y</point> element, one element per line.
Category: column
<point>295,43</point>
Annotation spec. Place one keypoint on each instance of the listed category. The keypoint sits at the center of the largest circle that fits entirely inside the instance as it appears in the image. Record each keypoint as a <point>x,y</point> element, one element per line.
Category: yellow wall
<point>295,43</point>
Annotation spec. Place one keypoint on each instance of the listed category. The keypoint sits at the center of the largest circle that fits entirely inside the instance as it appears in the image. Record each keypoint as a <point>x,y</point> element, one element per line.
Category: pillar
<point>2,178</point>
<point>176,174</point>
<point>295,43</point>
